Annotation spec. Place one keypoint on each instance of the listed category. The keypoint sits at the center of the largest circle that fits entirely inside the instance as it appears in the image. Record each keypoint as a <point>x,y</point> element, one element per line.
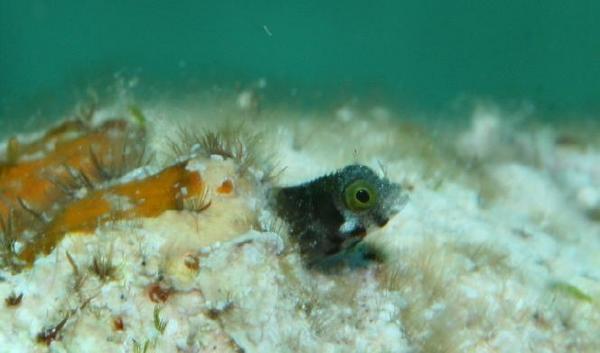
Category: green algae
<point>569,290</point>
<point>137,114</point>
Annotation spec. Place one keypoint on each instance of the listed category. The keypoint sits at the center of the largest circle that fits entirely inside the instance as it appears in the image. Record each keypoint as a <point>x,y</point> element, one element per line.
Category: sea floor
<point>497,249</point>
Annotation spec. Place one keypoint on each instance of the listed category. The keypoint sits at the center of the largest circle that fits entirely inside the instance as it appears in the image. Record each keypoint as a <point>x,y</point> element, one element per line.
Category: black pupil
<point>363,196</point>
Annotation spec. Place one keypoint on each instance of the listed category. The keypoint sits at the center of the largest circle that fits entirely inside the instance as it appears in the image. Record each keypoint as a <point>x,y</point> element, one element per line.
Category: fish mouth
<point>352,241</point>
<point>382,221</point>
<point>359,231</point>
<point>350,237</point>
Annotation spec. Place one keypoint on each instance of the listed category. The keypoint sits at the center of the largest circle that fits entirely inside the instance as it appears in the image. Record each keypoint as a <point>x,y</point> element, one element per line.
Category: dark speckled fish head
<point>334,212</point>
<point>365,199</point>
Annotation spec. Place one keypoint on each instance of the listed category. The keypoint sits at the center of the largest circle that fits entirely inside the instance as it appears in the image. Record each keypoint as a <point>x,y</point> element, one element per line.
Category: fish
<point>333,213</point>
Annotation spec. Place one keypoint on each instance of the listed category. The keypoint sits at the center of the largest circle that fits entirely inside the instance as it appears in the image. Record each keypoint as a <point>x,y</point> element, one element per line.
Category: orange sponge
<point>36,175</point>
<point>167,190</point>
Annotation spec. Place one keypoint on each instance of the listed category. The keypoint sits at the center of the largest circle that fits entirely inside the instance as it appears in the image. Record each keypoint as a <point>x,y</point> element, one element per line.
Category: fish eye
<point>360,195</point>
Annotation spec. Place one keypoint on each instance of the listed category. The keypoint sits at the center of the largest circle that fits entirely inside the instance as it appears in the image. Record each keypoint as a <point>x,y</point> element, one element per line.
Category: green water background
<point>423,54</point>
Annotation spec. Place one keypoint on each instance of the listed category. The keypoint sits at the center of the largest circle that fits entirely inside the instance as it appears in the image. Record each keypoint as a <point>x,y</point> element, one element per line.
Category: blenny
<point>331,214</point>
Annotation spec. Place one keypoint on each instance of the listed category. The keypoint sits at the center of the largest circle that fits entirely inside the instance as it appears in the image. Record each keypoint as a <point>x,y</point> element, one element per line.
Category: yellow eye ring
<point>360,195</point>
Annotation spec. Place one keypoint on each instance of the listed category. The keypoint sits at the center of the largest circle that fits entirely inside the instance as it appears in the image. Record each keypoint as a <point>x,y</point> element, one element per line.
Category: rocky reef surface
<point>144,228</point>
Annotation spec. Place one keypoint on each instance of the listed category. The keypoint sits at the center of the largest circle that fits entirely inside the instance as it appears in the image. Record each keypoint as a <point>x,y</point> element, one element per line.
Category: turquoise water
<point>422,54</point>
